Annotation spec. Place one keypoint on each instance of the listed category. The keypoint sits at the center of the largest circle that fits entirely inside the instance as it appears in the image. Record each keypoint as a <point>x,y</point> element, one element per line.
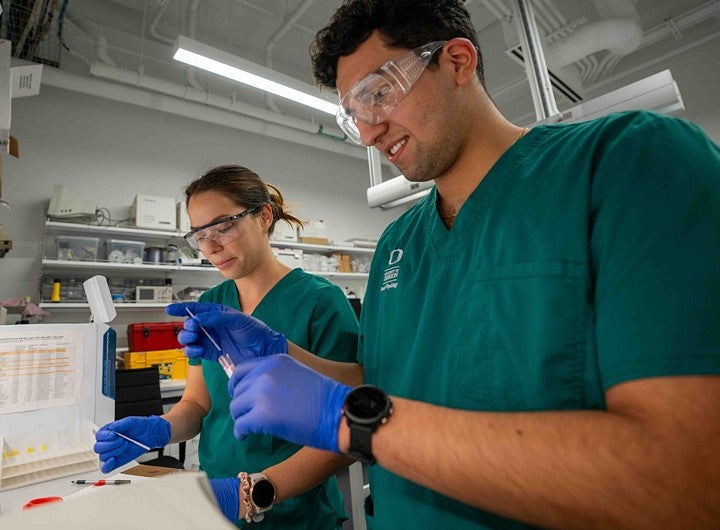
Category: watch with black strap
<point>366,407</point>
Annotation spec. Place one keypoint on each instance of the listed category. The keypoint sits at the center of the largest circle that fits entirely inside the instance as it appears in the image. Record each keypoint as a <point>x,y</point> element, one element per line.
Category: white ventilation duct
<point>617,32</point>
<point>618,36</point>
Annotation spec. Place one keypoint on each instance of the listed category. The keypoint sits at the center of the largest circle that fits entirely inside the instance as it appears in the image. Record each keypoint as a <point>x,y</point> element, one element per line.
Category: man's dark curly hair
<point>402,24</point>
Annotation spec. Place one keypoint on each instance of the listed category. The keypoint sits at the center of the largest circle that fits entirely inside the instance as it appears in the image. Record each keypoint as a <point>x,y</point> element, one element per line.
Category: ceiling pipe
<point>192,33</point>
<point>275,38</point>
<point>96,35</point>
<point>194,110</point>
<point>152,29</point>
<point>156,84</point>
<point>691,17</point>
<point>105,67</point>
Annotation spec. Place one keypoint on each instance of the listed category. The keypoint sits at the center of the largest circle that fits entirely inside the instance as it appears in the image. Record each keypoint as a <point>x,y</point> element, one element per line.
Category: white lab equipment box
<point>183,221</point>
<point>154,212</point>
<point>284,232</point>
<point>291,257</point>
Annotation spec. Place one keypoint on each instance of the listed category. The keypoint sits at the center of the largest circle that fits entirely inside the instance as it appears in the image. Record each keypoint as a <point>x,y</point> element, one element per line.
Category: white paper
<point>39,369</point>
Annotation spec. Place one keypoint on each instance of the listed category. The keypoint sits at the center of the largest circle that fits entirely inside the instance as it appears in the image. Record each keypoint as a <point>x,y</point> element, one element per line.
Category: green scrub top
<point>589,255</point>
<point>316,315</point>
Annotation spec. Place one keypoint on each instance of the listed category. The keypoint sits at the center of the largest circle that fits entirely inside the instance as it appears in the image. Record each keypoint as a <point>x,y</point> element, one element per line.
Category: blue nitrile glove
<point>239,335</point>
<point>116,451</point>
<point>227,493</point>
<point>279,396</point>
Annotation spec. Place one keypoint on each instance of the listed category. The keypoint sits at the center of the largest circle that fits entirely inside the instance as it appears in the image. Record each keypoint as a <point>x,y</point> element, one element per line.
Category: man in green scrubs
<point>545,323</point>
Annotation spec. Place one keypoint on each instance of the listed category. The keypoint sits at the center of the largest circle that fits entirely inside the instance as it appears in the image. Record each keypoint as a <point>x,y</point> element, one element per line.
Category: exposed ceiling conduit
<point>499,10</point>
<point>275,38</point>
<point>694,16</point>
<point>106,68</point>
<point>96,35</point>
<point>155,84</point>
<point>192,32</point>
<point>152,29</point>
<point>198,111</point>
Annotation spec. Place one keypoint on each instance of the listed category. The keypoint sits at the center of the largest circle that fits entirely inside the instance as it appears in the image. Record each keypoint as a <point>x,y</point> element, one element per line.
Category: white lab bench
<point>13,500</point>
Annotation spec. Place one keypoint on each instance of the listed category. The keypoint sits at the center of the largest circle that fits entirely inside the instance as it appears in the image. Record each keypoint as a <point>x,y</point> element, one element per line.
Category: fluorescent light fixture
<point>249,73</point>
<point>396,192</point>
<point>658,92</point>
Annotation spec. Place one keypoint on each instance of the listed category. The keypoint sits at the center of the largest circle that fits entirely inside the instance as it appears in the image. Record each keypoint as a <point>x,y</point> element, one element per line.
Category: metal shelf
<point>63,264</point>
<point>83,305</point>
<point>69,264</point>
<point>58,226</point>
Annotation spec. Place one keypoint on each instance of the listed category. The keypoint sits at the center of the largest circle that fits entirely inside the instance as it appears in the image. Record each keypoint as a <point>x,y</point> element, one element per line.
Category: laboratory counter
<point>13,500</point>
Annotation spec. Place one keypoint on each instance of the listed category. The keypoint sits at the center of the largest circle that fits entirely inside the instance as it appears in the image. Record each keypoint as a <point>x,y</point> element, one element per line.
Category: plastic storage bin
<point>122,251</point>
<point>172,364</point>
<point>77,248</point>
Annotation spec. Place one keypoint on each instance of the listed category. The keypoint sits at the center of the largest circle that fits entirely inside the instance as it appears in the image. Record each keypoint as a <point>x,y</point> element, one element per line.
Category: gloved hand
<point>227,493</point>
<point>116,451</point>
<point>239,335</point>
<point>279,396</point>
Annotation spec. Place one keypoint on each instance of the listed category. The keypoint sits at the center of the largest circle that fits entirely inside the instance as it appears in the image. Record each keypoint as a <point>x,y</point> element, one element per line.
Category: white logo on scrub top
<point>390,277</point>
<point>395,256</point>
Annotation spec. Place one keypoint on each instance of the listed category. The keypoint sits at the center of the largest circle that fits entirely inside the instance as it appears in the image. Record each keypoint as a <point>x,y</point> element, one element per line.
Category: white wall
<point>110,151</point>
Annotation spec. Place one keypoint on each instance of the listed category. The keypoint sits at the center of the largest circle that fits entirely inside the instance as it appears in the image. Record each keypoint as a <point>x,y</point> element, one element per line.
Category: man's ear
<point>463,56</point>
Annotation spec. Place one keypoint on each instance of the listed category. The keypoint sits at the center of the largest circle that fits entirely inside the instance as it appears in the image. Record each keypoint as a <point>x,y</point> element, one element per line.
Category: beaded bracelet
<point>245,496</point>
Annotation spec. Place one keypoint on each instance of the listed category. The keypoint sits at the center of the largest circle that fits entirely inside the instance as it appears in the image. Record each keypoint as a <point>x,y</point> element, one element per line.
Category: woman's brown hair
<point>245,188</point>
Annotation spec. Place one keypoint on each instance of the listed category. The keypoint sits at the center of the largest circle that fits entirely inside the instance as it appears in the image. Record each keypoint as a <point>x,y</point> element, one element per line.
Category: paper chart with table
<point>56,380</point>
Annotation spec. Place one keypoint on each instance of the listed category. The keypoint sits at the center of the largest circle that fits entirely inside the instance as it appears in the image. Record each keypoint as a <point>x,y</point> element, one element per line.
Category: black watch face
<point>263,493</point>
<point>366,403</point>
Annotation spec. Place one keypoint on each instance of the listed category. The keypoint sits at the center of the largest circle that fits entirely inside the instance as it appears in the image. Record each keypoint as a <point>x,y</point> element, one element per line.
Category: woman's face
<point>234,247</point>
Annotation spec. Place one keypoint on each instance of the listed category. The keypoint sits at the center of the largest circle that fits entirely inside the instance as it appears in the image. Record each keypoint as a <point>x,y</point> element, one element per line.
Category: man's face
<point>416,136</point>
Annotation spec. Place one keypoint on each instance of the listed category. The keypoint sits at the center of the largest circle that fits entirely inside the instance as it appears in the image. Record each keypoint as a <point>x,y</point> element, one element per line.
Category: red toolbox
<point>149,336</point>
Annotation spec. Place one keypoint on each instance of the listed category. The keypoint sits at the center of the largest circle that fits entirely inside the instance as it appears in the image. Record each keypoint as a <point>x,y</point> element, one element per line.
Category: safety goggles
<point>222,231</point>
<point>375,96</point>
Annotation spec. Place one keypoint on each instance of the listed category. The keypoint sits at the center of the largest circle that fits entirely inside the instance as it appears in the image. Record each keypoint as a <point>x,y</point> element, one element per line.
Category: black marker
<point>101,482</point>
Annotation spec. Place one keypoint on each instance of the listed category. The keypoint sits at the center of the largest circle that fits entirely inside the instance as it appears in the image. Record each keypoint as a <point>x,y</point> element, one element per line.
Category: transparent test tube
<point>225,361</point>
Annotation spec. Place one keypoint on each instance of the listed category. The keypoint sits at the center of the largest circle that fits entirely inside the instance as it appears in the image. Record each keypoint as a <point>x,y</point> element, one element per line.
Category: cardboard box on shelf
<point>315,240</point>
<point>344,264</point>
<point>314,232</point>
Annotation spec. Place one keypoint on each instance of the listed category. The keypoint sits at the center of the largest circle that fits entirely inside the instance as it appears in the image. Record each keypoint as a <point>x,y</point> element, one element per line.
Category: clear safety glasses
<point>222,231</point>
<point>375,96</point>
